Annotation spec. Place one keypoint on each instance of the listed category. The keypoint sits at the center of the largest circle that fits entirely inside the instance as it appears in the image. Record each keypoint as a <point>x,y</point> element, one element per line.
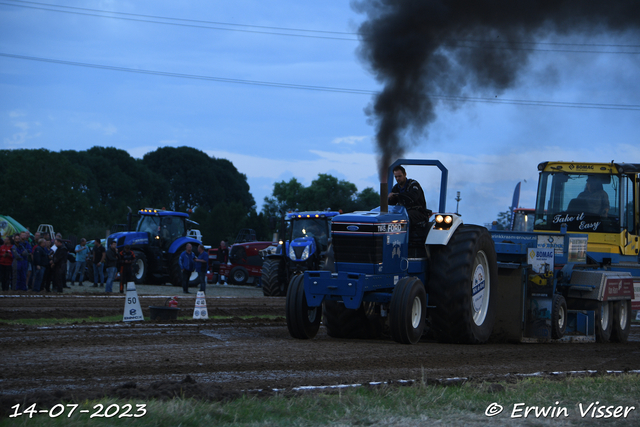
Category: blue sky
<point>276,133</point>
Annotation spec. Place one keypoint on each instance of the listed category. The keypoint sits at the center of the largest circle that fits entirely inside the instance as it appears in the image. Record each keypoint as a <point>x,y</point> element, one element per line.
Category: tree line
<point>86,193</point>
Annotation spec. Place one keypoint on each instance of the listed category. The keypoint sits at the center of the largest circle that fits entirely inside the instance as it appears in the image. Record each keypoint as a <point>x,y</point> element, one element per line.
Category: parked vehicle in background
<point>159,239</point>
<point>244,265</point>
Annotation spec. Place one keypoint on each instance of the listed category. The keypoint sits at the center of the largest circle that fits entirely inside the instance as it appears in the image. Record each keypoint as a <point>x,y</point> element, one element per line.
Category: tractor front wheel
<point>141,265</point>
<point>408,310</point>
<point>303,321</point>
<point>342,322</point>
<point>239,275</point>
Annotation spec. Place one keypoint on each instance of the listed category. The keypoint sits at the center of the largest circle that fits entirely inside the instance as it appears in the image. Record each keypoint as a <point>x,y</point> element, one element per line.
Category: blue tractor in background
<point>159,239</point>
<point>308,247</point>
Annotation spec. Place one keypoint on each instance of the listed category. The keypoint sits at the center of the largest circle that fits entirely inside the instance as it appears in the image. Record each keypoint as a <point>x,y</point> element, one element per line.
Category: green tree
<point>286,196</point>
<point>324,192</point>
<point>367,199</point>
<point>327,192</point>
<point>42,187</point>
<point>504,220</point>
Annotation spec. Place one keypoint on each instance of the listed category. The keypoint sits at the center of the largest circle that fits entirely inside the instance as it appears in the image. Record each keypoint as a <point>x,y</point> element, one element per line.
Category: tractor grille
<point>298,251</point>
<point>358,248</point>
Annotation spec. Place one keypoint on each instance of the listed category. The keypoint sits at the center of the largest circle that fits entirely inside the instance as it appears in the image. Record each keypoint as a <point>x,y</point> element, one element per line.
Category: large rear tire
<point>463,286</point>
<point>140,277</point>
<point>408,310</point>
<point>303,321</point>
<point>604,321</point>
<point>621,321</point>
<point>273,282</point>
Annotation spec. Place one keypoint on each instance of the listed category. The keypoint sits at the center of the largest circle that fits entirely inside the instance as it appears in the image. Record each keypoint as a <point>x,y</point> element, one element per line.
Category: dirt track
<point>222,358</point>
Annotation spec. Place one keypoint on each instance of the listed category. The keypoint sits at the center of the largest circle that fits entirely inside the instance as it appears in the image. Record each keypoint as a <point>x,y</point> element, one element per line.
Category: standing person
<point>46,280</point>
<point>112,265</point>
<point>22,264</point>
<point>408,193</point>
<point>24,240</point>
<point>127,258</point>
<point>59,264</point>
<point>40,263</point>
<point>223,258</point>
<point>6,264</point>
<point>187,265</point>
<point>81,251</point>
<point>202,261</point>
<point>34,245</point>
<point>99,254</point>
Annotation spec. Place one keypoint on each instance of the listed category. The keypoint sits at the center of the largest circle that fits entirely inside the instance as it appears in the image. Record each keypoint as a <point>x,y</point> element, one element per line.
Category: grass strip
<point>417,405</point>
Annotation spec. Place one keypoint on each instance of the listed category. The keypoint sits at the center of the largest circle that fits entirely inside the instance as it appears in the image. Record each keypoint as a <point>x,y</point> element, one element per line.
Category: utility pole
<point>458,198</point>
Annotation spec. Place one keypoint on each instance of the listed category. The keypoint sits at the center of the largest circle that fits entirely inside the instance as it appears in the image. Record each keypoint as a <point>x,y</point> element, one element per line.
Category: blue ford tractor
<point>160,237</point>
<point>463,284</point>
<point>308,247</point>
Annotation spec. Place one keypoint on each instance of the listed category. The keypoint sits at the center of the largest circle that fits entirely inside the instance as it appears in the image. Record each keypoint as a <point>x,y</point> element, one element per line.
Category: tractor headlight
<point>292,253</point>
<point>443,221</point>
<point>305,254</point>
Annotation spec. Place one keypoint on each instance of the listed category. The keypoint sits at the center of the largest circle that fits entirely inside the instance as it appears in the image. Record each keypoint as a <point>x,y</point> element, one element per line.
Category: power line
<point>598,106</point>
<point>194,23</point>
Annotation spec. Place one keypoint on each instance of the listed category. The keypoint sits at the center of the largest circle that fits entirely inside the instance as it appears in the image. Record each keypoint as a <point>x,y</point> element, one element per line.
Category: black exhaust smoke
<point>428,50</point>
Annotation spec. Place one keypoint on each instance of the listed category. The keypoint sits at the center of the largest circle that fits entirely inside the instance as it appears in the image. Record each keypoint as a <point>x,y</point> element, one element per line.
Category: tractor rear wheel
<point>604,321</point>
<point>621,321</point>
<point>342,322</point>
<point>408,311</point>
<point>140,275</point>
<point>558,317</point>
<point>463,286</point>
<point>273,282</point>
<point>303,321</point>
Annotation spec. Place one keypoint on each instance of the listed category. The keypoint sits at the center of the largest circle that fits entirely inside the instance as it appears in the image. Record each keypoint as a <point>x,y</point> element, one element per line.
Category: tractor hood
<point>132,238</point>
<point>301,249</point>
<point>360,239</point>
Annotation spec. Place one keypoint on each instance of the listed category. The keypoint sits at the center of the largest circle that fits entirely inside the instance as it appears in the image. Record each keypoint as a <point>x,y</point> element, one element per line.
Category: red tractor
<point>244,264</point>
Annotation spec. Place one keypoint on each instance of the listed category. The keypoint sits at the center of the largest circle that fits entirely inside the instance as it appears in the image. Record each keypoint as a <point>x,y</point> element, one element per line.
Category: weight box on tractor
<point>457,283</point>
<point>159,239</point>
<point>308,246</point>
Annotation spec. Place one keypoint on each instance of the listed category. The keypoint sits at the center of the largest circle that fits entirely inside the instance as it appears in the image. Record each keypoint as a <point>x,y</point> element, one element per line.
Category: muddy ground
<point>242,353</point>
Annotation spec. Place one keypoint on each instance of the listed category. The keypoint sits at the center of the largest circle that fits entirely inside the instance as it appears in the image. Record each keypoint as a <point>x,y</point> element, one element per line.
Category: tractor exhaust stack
<point>384,201</point>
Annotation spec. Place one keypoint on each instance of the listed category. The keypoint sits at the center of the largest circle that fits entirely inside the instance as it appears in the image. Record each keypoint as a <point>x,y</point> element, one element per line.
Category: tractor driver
<point>597,200</point>
<point>408,193</point>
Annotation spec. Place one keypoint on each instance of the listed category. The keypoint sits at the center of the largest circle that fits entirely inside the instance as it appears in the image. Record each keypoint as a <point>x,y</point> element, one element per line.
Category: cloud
<point>350,140</point>
<point>21,137</point>
<point>105,129</point>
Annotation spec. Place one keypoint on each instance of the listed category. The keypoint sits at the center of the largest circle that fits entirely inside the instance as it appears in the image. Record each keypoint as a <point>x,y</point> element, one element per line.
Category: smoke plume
<point>424,50</point>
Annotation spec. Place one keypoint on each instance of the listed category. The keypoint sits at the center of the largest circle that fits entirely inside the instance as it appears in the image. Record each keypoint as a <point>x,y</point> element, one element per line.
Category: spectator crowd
<point>44,263</point>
